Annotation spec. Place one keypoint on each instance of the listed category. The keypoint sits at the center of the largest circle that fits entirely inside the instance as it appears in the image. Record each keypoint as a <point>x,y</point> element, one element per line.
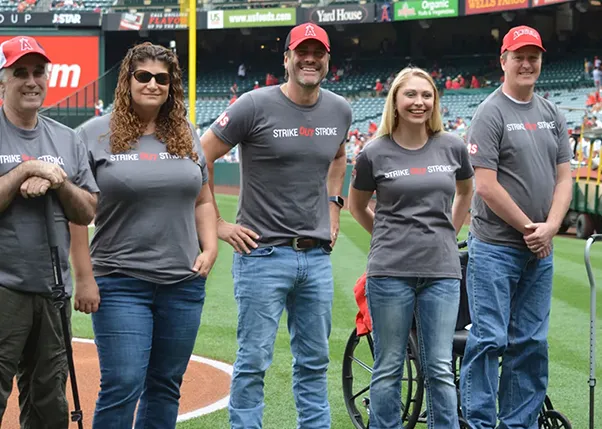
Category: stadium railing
<point>80,106</point>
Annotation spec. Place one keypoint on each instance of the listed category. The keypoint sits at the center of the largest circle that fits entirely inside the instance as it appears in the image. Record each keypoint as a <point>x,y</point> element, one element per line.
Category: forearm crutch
<point>59,300</point>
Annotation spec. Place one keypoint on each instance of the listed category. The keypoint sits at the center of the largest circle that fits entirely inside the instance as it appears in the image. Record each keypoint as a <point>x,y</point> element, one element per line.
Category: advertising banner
<point>425,9</point>
<point>50,19</point>
<point>384,12</point>
<point>473,7</point>
<point>269,17</point>
<point>136,21</point>
<point>343,14</point>
<point>538,3</point>
<point>74,64</point>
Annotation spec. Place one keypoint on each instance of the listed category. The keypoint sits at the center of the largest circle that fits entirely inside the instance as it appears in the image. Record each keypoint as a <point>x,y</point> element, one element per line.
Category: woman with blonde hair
<point>145,281</point>
<point>416,170</point>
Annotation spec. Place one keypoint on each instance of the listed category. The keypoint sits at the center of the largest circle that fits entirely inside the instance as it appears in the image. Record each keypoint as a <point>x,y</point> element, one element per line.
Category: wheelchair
<point>357,369</point>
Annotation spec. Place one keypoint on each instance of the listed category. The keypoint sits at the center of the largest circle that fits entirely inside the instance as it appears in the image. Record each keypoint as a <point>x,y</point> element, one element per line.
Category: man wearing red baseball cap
<point>293,156</point>
<point>37,155</point>
<point>521,36</point>
<point>304,32</point>
<point>16,48</point>
<point>520,151</point>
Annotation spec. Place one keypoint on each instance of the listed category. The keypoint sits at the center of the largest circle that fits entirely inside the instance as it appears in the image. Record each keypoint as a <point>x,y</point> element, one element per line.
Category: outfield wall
<point>228,174</point>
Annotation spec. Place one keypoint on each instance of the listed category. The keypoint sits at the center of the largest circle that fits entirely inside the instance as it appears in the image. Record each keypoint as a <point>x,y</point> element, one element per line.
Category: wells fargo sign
<point>473,7</point>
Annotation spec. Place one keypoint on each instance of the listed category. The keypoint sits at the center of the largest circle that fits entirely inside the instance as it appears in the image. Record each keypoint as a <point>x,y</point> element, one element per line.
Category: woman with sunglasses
<point>145,281</point>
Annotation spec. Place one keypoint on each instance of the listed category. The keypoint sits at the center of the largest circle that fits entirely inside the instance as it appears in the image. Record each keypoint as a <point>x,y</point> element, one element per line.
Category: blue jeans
<point>510,294</point>
<point>267,281</point>
<point>144,334</point>
<point>393,301</point>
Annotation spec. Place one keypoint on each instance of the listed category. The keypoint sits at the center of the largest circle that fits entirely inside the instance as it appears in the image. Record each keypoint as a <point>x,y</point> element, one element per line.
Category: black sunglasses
<point>144,76</point>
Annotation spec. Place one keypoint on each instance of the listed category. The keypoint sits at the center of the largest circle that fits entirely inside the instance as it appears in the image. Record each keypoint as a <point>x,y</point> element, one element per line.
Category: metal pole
<point>59,298</point>
<point>592,327</point>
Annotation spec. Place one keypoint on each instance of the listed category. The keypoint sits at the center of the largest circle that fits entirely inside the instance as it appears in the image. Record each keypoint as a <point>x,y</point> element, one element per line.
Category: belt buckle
<point>295,244</point>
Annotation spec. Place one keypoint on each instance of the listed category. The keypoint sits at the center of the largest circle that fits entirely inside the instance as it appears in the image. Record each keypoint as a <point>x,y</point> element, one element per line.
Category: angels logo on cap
<point>307,31</point>
<point>521,36</point>
<point>14,49</point>
<point>25,45</point>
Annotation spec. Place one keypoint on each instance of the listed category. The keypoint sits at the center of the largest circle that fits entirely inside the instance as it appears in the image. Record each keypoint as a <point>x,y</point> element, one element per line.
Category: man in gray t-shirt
<point>37,156</point>
<point>292,154</point>
<point>520,150</point>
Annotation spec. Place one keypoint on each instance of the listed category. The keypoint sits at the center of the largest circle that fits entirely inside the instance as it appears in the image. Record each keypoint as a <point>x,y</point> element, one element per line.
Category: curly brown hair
<point>172,127</point>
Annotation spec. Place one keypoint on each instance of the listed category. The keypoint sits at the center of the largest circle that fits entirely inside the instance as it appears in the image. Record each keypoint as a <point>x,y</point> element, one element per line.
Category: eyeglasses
<point>144,76</point>
<point>23,72</point>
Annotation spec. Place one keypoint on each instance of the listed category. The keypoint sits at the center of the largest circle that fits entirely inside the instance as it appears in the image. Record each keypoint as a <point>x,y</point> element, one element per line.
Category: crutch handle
<point>58,290</point>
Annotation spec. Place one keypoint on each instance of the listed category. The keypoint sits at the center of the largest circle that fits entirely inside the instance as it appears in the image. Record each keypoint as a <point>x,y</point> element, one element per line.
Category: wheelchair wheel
<point>357,371</point>
<point>552,419</point>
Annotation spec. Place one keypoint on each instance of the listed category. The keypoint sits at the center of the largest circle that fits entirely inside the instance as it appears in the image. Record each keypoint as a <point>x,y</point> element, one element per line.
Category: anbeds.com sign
<point>74,65</point>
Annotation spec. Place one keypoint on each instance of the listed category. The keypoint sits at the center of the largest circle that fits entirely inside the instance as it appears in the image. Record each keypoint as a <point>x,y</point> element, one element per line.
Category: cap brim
<point>521,45</point>
<point>294,45</point>
<point>18,57</point>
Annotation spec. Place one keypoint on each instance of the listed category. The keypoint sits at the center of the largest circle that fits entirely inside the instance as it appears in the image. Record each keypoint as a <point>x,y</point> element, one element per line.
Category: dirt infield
<point>204,385</point>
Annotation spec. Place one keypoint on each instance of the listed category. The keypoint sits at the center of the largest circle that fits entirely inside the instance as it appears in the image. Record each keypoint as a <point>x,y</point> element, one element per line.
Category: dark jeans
<point>145,334</point>
<point>33,349</point>
<point>510,296</point>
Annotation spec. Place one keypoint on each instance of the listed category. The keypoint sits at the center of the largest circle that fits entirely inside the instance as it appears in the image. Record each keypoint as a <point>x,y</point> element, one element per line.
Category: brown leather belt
<point>304,243</point>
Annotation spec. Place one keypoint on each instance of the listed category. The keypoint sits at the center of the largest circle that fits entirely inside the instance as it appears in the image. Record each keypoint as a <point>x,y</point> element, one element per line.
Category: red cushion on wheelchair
<point>363,322</point>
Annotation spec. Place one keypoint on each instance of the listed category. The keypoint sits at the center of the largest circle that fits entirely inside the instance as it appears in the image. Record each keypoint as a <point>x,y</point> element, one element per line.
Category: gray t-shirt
<point>25,263</point>
<point>285,151</point>
<point>413,234</point>
<point>145,220</point>
<point>524,143</point>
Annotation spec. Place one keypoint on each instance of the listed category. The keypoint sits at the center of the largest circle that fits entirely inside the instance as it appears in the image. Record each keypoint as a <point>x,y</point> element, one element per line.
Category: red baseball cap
<point>17,47</point>
<point>520,36</point>
<point>304,32</point>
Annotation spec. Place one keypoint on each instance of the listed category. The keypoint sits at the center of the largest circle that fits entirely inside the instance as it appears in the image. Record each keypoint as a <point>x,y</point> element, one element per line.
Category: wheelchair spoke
<point>361,392</point>
<point>362,364</point>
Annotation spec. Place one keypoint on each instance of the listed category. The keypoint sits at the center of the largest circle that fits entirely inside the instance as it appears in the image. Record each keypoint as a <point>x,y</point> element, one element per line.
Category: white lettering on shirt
<point>167,155</point>
<point>439,169</point>
<point>414,171</point>
<point>125,157</point>
<point>305,132</point>
<point>515,127</point>
<point>546,125</point>
<point>17,159</point>
<point>326,131</point>
<point>285,132</point>
<point>10,159</point>
<point>58,160</point>
<point>397,173</point>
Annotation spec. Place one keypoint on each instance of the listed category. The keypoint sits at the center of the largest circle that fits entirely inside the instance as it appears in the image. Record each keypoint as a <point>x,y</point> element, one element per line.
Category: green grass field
<point>569,330</point>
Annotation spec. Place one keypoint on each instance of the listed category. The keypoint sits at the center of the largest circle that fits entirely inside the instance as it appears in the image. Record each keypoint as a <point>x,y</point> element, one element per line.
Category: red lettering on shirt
<point>418,170</point>
<point>307,132</point>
